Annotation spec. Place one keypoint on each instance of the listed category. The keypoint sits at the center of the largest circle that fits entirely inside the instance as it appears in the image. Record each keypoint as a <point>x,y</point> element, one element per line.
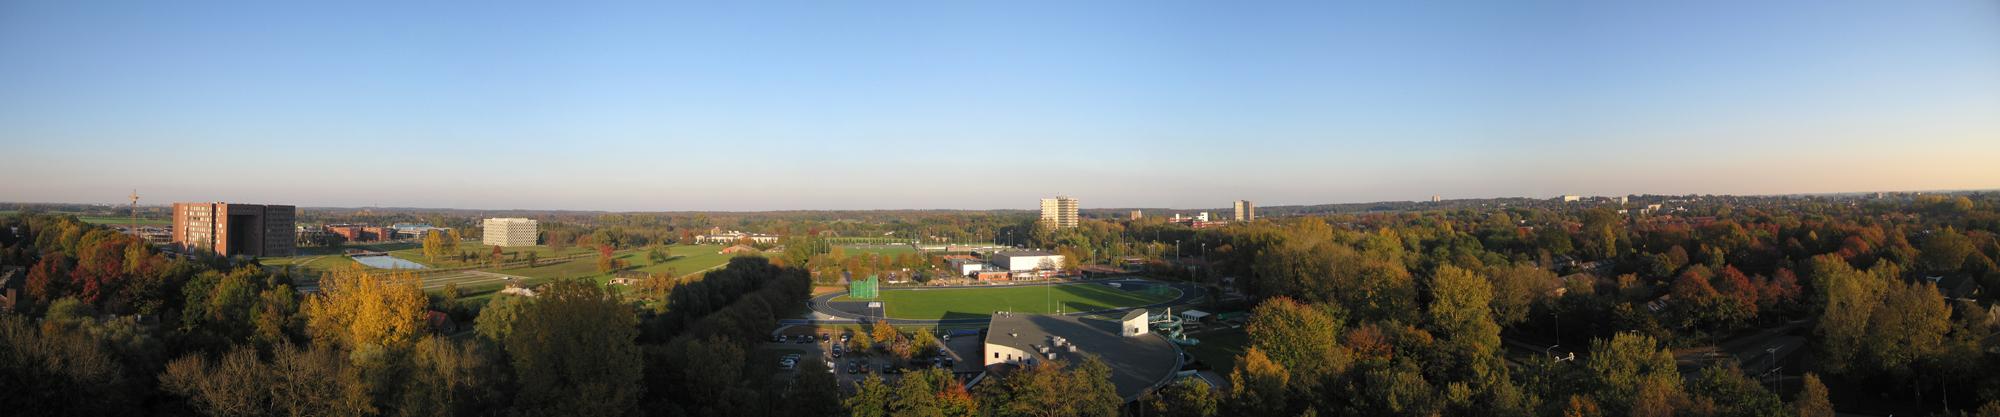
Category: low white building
<point>1026,260</point>
<point>731,237</point>
<point>1135,323</point>
<point>966,267</point>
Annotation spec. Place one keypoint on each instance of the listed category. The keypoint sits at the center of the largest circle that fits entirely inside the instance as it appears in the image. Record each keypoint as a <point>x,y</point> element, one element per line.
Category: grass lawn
<point>687,259</point>
<point>414,252</point>
<point>1219,348</point>
<point>956,303</point>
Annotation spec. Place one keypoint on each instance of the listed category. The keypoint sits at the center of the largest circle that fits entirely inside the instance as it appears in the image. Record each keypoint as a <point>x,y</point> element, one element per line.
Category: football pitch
<point>956,303</point>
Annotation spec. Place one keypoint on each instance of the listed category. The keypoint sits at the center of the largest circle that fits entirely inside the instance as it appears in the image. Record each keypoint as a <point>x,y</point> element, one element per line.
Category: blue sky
<point>837,105</point>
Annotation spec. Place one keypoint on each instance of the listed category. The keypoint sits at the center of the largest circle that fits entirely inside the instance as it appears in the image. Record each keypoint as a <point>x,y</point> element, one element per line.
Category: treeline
<point>207,337</point>
<point>1406,313</point>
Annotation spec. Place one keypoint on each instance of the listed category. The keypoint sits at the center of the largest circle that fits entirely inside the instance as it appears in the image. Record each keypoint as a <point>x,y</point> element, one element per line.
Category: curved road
<point>1190,294</point>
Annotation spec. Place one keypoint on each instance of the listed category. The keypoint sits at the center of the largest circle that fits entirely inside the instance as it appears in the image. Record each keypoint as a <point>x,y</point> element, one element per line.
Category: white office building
<point>509,232</point>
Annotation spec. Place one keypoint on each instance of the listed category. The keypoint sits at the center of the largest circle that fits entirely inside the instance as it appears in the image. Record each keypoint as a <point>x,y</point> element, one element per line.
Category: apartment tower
<point>236,229</point>
<point>1059,212</point>
<point>1245,211</point>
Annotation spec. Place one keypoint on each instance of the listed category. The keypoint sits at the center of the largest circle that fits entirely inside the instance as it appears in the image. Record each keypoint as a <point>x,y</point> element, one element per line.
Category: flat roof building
<point>1138,362</point>
<point>1026,260</point>
<point>1245,211</point>
<point>509,232</point>
<point>1059,212</point>
<point>236,229</point>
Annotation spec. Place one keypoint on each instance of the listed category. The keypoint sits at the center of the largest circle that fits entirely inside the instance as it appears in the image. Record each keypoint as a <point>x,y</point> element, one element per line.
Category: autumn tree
<point>1259,385</point>
<point>434,245</point>
<point>1060,389</point>
<point>605,262</point>
<point>1812,400</point>
<point>358,309</point>
<point>1304,339</point>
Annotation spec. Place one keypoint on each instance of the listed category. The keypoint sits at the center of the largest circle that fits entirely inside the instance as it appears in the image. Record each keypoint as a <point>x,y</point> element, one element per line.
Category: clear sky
<point>945,104</point>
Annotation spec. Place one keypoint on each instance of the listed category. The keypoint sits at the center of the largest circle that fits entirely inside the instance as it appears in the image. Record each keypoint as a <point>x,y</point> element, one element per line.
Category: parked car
<point>822,337</point>
<point>844,337</point>
<point>788,364</point>
<point>778,339</point>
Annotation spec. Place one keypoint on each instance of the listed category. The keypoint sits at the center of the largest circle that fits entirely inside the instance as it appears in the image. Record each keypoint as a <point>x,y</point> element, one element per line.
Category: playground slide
<point>1170,325</point>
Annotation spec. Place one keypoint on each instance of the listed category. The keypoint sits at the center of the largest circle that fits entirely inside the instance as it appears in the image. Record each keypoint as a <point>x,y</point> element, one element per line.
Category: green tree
<point>1188,397</point>
<point>815,393</point>
<point>1946,251</point>
<point>569,317</point>
<point>496,320</point>
<point>1909,326</point>
<point>870,399</point>
<point>1516,288</point>
<point>1624,365</point>
<point>1724,389</point>
<point>1846,298</point>
<point>1460,313</point>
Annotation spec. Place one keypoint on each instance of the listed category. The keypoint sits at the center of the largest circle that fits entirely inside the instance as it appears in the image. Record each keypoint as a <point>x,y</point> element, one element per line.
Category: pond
<point>387,262</point>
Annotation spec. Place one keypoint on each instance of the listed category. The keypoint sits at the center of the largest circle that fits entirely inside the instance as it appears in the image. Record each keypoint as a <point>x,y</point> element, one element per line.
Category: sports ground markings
<point>467,278</point>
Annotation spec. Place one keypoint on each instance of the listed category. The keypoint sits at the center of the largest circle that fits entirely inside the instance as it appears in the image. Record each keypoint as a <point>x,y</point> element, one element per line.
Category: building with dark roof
<point>1138,363</point>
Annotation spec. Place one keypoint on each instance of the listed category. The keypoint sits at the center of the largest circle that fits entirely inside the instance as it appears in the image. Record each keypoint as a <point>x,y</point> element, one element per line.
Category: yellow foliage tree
<point>356,308</point>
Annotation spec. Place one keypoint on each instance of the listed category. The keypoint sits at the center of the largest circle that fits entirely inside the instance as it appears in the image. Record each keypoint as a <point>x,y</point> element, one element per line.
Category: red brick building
<point>236,229</point>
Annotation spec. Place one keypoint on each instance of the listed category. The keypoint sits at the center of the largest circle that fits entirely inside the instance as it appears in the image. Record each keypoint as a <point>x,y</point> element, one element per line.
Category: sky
<point>668,106</point>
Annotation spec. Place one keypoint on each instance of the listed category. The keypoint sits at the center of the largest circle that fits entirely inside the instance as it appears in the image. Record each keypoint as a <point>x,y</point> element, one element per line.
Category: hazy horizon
<point>147,202</point>
<point>809,106</point>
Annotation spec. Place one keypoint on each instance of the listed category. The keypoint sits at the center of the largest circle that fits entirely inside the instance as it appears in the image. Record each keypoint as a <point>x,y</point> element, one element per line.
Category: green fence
<point>865,288</point>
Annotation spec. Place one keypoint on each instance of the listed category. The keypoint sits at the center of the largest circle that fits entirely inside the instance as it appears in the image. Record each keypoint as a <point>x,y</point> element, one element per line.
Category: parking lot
<point>850,368</point>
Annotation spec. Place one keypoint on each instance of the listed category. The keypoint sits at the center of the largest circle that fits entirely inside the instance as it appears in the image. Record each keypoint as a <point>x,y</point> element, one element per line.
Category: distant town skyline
<point>726,107</point>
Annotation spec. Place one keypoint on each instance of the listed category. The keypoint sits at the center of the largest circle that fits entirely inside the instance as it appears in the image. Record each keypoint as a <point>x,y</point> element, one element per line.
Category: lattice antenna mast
<point>135,212</point>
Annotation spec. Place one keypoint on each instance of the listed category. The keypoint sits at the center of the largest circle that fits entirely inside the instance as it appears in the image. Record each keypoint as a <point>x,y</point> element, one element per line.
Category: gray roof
<point>1136,363</point>
<point>1133,314</point>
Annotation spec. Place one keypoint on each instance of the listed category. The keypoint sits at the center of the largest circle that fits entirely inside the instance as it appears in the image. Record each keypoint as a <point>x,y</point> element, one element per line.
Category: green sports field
<point>956,303</point>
